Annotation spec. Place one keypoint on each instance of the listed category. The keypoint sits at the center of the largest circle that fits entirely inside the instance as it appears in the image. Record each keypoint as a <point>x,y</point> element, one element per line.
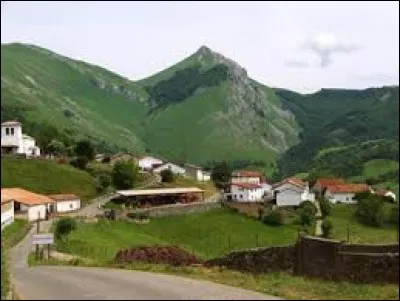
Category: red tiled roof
<point>247,185</point>
<point>348,188</point>
<point>246,173</point>
<point>329,181</point>
<point>293,181</point>
<point>25,197</point>
<point>63,197</point>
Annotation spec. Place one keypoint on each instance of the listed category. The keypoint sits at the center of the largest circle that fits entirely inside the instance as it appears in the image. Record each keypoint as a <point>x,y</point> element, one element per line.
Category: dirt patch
<point>157,254</point>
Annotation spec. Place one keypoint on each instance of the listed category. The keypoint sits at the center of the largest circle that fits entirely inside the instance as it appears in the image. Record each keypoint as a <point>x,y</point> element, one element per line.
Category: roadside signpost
<point>41,240</point>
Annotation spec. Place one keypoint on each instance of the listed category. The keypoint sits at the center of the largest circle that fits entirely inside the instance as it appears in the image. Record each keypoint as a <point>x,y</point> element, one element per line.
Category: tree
<point>124,174</point>
<point>56,147</point>
<point>64,226</point>
<point>103,181</point>
<point>325,207</point>
<point>326,227</point>
<point>84,148</point>
<point>221,174</point>
<point>370,211</point>
<point>167,176</point>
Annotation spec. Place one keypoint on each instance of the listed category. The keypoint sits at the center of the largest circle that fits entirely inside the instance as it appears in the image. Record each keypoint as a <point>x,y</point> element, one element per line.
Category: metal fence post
<point>348,232</point>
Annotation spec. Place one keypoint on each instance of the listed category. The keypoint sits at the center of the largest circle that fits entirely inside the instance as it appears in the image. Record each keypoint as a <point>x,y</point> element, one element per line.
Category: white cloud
<point>325,45</point>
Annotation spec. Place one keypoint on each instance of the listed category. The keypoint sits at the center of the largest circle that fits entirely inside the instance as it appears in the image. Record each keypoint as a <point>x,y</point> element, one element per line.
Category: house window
<point>7,131</point>
<point>71,206</point>
<point>12,131</point>
<point>241,196</point>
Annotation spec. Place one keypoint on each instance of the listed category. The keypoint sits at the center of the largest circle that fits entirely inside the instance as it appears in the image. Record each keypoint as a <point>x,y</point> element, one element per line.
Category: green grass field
<point>342,215</point>
<point>46,177</point>
<point>379,167</point>
<point>207,235</point>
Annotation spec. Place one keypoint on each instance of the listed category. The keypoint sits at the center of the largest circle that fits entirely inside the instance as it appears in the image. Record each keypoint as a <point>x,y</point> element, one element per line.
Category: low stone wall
<point>368,268</point>
<point>177,209</point>
<point>262,260</point>
<point>334,260</point>
<point>319,258</point>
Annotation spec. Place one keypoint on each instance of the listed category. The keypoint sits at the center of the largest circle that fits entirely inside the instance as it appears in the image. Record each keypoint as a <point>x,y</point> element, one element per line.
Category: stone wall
<point>334,260</point>
<point>261,260</point>
<point>319,258</point>
<point>177,209</point>
<point>368,268</point>
<point>316,257</point>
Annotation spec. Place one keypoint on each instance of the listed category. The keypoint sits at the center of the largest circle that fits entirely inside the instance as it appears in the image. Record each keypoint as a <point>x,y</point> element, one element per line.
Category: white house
<point>66,202</point>
<point>148,162</point>
<point>292,192</point>
<point>246,192</point>
<point>177,170</point>
<point>13,141</point>
<point>7,211</point>
<point>345,193</point>
<point>30,205</point>
<point>197,173</point>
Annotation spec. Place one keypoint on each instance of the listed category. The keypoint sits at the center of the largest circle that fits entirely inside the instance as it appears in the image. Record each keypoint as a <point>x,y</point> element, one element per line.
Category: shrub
<point>306,216</point>
<point>104,180</point>
<point>370,211</point>
<point>394,215</point>
<point>167,176</point>
<point>325,207</point>
<point>309,207</point>
<point>80,162</point>
<point>326,227</point>
<point>124,174</point>
<point>274,218</point>
<point>64,226</point>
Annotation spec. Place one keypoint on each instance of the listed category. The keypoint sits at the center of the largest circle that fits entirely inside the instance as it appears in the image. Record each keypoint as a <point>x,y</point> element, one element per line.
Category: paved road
<point>78,283</point>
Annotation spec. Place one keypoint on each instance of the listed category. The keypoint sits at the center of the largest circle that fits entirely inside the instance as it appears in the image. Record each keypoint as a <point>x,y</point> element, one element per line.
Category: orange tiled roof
<point>329,181</point>
<point>25,197</point>
<point>247,185</point>
<point>246,173</point>
<point>63,197</point>
<point>348,188</point>
<point>293,181</point>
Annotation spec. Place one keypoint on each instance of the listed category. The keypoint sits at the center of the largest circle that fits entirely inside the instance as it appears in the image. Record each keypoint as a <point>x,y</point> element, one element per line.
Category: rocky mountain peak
<point>205,54</point>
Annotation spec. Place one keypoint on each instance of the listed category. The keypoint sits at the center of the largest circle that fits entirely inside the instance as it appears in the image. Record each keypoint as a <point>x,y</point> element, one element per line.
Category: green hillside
<point>46,177</point>
<point>335,122</point>
<point>74,98</point>
<point>202,108</point>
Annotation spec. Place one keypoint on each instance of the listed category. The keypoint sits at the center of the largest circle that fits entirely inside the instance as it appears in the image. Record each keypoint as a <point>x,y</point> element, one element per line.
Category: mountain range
<point>204,108</point>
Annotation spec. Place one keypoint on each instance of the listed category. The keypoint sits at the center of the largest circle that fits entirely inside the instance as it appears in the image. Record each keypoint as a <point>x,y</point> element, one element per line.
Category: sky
<point>302,46</point>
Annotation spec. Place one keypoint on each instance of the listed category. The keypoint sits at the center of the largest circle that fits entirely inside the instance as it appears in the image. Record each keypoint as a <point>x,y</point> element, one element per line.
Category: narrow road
<point>79,283</point>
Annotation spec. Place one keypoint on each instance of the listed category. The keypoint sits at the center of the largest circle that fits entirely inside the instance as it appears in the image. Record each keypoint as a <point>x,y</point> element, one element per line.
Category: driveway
<point>79,283</point>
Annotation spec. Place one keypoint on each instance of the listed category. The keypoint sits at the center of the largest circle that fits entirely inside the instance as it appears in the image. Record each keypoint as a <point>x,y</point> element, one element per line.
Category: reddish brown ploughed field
<point>168,255</point>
